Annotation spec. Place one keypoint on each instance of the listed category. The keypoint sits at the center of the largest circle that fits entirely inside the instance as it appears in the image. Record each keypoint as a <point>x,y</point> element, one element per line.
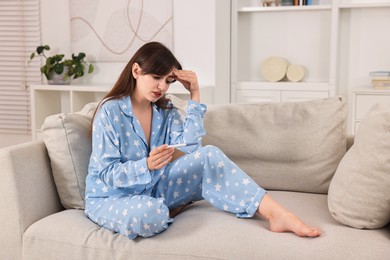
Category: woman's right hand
<point>159,157</point>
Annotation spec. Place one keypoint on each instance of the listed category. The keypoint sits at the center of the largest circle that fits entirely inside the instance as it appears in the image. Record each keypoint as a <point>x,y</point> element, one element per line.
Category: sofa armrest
<point>28,193</point>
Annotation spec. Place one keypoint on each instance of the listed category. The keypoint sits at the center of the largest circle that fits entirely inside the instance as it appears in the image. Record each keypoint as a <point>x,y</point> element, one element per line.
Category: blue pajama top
<point>119,147</point>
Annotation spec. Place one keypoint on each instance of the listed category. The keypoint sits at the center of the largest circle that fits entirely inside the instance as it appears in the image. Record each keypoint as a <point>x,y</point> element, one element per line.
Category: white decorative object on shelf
<point>274,68</point>
<point>295,73</point>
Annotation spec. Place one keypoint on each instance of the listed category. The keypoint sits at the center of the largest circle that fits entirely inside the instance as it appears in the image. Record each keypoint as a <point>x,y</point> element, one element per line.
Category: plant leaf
<point>90,68</point>
<point>58,57</point>
<point>40,49</point>
<point>58,68</point>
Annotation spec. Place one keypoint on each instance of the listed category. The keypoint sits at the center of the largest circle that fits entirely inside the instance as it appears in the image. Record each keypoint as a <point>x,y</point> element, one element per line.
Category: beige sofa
<point>291,149</point>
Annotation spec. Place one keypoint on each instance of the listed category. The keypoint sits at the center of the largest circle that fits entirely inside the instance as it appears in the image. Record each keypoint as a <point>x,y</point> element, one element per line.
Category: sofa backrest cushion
<point>68,143</point>
<point>283,146</point>
<point>359,194</point>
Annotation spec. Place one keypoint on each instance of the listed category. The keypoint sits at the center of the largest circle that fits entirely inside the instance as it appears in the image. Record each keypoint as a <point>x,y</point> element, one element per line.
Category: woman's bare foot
<point>282,220</point>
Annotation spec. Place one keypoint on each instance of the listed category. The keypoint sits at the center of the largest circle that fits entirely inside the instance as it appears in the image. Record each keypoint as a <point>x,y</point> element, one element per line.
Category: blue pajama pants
<point>206,174</point>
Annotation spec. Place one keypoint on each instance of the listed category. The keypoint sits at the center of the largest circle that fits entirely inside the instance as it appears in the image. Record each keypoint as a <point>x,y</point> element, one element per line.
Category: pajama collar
<point>157,119</point>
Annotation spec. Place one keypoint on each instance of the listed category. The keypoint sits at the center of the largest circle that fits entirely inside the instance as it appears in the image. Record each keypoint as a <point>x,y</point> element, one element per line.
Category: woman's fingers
<point>187,78</point>
<point>159,157</point>
<point>163,163</point>
<point>162,157</point>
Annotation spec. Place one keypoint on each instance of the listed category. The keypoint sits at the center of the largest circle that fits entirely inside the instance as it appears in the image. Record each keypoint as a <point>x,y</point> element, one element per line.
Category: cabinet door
<point>365,102</point>
<point>257,96</point>
<point>294,96</point>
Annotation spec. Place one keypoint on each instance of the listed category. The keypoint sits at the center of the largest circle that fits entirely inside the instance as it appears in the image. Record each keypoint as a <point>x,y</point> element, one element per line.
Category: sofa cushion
<point>68,143</point>
<point>204,232</point>
<point>359,194</point>
<point>284,146</point>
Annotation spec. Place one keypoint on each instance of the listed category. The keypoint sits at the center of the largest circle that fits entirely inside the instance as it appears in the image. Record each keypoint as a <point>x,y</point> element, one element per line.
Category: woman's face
<point>152,87</point>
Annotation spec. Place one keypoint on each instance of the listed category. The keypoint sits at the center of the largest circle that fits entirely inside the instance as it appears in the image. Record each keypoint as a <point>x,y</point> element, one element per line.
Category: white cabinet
<point>363,99</point>
<point>48,100</point>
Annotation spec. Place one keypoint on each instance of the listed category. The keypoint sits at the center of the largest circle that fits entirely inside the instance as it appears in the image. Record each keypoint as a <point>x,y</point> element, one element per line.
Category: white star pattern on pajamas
<point>221,164</point>
<point>197,155</point>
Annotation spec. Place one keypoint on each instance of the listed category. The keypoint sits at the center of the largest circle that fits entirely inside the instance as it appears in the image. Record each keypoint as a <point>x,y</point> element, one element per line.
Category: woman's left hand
<point>190,82</point>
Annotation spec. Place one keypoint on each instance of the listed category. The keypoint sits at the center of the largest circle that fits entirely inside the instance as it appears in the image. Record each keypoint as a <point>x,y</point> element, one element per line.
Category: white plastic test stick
<point>181,145</point>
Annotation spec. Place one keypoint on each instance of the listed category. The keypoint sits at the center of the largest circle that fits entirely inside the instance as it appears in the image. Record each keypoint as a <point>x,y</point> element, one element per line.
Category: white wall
<point>194,37</point>
<point>202,42</point>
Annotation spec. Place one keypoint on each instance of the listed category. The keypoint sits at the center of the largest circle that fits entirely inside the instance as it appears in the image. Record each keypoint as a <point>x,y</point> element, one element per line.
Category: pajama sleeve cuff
<point>252,208</point>
<point>143,173</point>
<point>196,108</point>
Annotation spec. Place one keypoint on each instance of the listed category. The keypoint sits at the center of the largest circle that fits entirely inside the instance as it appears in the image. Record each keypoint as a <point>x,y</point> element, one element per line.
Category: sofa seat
<point>196,234</point>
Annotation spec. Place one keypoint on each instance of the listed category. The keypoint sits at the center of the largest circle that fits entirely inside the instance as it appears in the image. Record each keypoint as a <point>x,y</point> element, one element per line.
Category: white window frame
<point>20,34</point>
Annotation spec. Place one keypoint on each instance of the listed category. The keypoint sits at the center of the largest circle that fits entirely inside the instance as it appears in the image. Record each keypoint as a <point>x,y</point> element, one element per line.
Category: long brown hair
<point>153,58</point>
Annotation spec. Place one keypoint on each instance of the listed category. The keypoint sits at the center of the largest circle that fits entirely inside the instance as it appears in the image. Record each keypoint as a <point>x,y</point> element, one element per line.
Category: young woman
<point>135,183</point>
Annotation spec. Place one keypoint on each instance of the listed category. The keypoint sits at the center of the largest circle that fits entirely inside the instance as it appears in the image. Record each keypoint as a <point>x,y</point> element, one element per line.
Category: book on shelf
<point>381,88</point>
<point>379,85</point>
<point>380,73</point>
<point>375,75</point>
<point>380,79</point>
<point>302,2</point>
<point>374,81</point>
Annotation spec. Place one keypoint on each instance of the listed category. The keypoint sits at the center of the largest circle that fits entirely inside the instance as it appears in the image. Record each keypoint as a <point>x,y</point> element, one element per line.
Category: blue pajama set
<point>124,196</point>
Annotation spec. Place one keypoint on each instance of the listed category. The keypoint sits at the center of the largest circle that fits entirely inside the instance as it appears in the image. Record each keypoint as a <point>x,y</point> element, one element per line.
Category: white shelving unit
<point>48,100</point>
<point>286,31</point>
<point>338,42</point>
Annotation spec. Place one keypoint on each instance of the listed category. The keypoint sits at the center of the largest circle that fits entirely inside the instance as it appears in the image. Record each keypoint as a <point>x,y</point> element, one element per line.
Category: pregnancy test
<point>181,145</point>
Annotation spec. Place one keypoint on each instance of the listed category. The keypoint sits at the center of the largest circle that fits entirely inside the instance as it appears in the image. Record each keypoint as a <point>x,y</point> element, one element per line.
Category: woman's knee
<point>147,216</point>
<point>211,149</point>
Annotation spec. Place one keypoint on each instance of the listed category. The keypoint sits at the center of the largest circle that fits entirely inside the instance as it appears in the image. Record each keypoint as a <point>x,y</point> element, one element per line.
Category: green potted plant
<point>59,70</point>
